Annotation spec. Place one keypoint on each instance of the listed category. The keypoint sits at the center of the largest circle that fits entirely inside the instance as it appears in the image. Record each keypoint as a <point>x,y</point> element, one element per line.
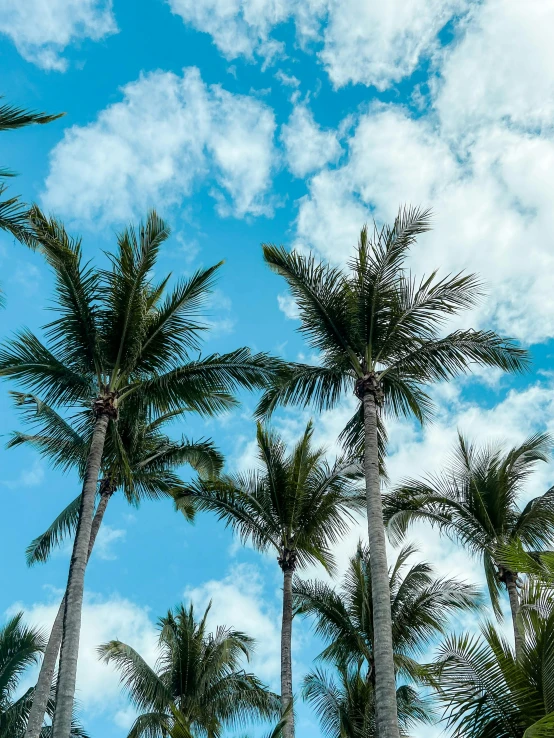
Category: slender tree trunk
<point>41,694</point>
<point>385,686</point>
<point>510,579</point>
<point>286,656</point>
<point>69,653</point>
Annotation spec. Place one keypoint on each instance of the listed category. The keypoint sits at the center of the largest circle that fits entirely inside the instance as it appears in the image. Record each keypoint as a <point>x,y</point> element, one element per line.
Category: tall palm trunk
<point>76,583</point>
<point>41,694</point>
<point>510,580</point>
<point>385,687</point>
<point>286,656</point>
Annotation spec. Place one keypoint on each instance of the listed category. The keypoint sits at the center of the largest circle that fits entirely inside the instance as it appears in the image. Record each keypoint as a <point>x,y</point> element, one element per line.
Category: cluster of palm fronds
<point>120,366</point>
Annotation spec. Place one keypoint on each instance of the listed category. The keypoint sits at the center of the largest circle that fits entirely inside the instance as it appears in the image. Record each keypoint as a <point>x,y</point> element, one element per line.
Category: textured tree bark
<point>286,656</point>
<point>510,579</point>
<point>385,685</point>
<point>48,666</point>
<point>69,653</point>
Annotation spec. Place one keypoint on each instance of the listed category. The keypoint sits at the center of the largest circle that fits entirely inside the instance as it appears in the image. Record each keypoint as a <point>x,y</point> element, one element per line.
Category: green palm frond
<point>297,502</point>
<point>40,549</point>
<point>12,117</point>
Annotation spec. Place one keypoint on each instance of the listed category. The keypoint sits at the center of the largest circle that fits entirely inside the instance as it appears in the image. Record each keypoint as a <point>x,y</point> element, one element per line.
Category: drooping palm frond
<point>475,501</point>
<point>40,549</point>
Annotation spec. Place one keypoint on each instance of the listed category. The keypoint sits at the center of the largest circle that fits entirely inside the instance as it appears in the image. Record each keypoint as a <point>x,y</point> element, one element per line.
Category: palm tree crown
<point>420,606</point>
<point>296,504</point>
<point>476,501</point>
<point>197,683</point>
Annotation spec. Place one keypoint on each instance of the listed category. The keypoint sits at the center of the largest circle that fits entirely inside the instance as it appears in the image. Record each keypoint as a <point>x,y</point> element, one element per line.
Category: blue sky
<point>288,121</point>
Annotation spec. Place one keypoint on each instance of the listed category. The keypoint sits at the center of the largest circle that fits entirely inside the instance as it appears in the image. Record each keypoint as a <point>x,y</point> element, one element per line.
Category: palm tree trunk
<point>41,694</point>
<point>385,687</point>
<point>510,579</point>
<point>67,673</point>
<point>286,656</point>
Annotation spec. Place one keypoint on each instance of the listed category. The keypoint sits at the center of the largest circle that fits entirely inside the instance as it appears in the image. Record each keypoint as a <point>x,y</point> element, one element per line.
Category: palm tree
<point>295,504</point>
<point>197,687</point>
<point>138,458</point>
<point>420,605</point>
<point>475,501</point>
<point>378,332</point>
<point>20,648</point>
<point>487,691</point>
<point>346,706</point>
<point>116,342</point>
<point>14,216</point>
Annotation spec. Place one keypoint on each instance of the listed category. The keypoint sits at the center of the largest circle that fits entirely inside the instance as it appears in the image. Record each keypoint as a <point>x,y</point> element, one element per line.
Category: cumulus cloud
<point>42,29</point>
<point>105,541</point>
<point>167,135</point>
<point>238,601</point>
<point>492,200</point>
<point>307,146</point>
<point>359,41</point>
<point>104,619</point>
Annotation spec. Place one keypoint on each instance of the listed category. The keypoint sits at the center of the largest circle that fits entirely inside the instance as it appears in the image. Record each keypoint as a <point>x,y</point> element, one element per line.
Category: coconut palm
<point>138,458</point>
<point>421,605</point>
<point>488,692</point>
<point>296,504</point>
<point>20,648</point>
<point>198,686</point>
<point>116,342</point>
<point>13,214</point>
<point>378,333</point>
<point>345,703</point>
<point>476,501</point>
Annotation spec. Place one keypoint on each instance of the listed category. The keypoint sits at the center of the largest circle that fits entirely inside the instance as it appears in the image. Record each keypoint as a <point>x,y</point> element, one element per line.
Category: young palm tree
<point>297,505</point>
<point>487,691</point>
<point>20,648</point>
<point>198,687</point>
<point>138,458</point>
<point>345,704</point>
<point>420,607</point>
<point>14,216</point>
<point>378,332</point>
<point>116,342</point>
<point>475,501</point>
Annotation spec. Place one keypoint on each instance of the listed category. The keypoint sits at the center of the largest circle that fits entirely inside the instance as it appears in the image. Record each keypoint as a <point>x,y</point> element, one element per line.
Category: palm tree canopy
<point>486,692</point>
<point>475,500</point>
<point>119,337</point>
<point>298,504</point>
<point>13,213</point>
<point>20,648</point>
<point>378,323</point>
<point>421,605</point>
<point>345,703</point>
<point>139,458</point>
<point>198,680</point>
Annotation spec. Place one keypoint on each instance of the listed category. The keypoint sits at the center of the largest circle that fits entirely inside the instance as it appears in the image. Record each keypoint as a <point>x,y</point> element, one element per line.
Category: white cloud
<point>103,620</point>
<point>30,477</point>
<point>107,537</point>
<point>502,69</point>
<point>492,201</point>
<point>365,41</point>
<point>167,135</point>
<point>42,29</point>
<point>307,146</point>
<point>238,601</point>
<point>288,306</point>
<point>288,80</point>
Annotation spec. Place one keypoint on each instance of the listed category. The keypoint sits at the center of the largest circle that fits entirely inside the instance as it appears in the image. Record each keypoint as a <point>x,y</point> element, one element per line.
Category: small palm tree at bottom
<point>21,648</point>
<point>197,686</point>
<point>345,703</point>
<point>296,504</point>
<point>486,691</point>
